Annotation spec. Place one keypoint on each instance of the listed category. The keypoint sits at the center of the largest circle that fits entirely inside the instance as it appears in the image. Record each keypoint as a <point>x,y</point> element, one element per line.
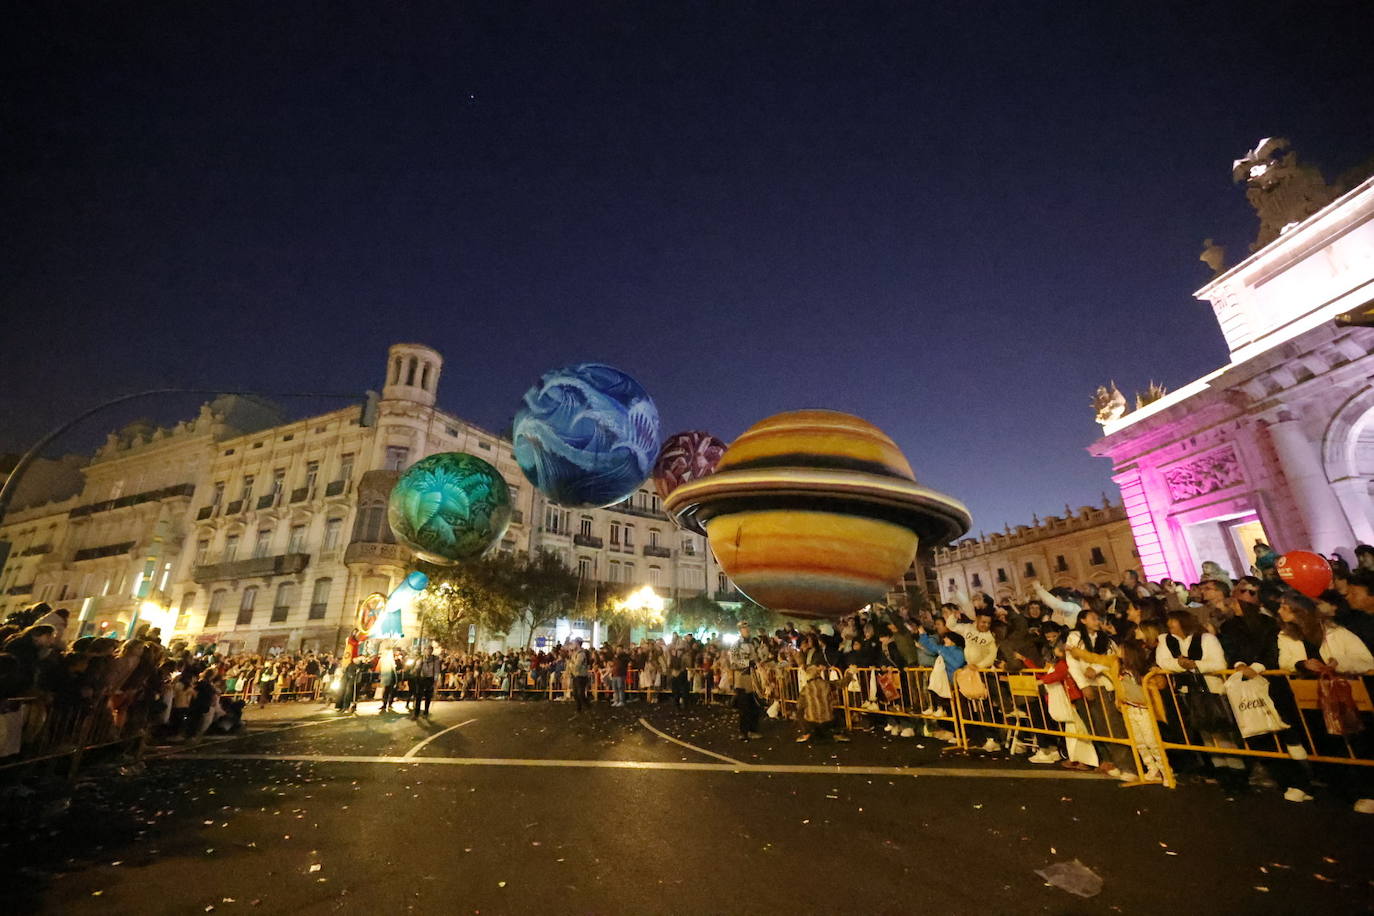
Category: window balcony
<point>335,487</point>
<point>285,564</point>
<point>20,589</point>
<point>268,501</point>
<point>234,508</point>
<point>517,517</point>
<point>651,551</point>
<point>97,553</point>
<point>731,595</point>
<point>300,494</point>
<point>376,552</point>
<point>588,540</point>
<point>36,550</point>
<point>205,512</point>
<point>133,499</point>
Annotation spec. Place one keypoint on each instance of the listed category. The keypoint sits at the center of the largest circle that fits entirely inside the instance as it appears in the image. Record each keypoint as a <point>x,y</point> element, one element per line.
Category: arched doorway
<point>1348,460</point>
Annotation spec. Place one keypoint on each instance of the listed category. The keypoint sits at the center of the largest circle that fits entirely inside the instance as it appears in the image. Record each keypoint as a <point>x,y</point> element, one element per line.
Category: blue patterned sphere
<point>449,507</point>
<point>586,435</point>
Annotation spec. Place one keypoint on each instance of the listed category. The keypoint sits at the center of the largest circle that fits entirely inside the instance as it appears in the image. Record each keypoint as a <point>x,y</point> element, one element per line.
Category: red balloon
<point>1305,571</point>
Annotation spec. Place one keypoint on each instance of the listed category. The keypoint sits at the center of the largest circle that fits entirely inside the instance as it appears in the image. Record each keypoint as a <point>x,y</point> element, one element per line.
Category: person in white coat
<point>1190,650</point>
<point>1098,706</point>
<point>1308,644</point>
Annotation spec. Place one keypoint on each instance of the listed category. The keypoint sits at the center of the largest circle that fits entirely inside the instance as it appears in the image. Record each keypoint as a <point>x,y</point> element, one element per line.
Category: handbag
<point>1339,712</point>
<point>774,709</point>
<point>1206,711</point>
<point>970,685</point>
<point>1057,703</point>
<point>889,686</point>
<point>1255,711</point>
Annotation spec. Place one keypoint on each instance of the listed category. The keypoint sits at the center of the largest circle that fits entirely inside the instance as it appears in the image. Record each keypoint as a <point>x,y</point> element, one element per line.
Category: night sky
<point>952,219</point>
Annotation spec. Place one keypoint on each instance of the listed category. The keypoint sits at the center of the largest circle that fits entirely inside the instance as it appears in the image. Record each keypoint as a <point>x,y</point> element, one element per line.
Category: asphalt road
<point>512,807</point>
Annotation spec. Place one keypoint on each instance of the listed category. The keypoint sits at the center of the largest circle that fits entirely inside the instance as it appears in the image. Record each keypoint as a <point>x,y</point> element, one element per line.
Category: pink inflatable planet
<point>685,456</point>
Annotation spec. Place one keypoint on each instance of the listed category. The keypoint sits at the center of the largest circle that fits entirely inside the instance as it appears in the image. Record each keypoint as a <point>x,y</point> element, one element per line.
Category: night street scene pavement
<point>520,807</point>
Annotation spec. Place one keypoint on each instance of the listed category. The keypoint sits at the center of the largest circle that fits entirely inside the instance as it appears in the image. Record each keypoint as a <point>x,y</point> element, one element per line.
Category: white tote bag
<point>1255,711</point>
<point>1058,704</point>
<point>939,679</point>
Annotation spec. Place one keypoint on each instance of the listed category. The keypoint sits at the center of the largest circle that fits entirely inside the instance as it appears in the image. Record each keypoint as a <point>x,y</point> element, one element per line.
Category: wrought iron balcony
<point>335,487</point>
<point>96,553</point>
<point>268,501</point>
<point>588,540</point>
<point>205,512</point>
<point>285,564</point>
<point>234,507</point>
<point>376,552</point>
<point>300,494</point>
<point>651,551</point>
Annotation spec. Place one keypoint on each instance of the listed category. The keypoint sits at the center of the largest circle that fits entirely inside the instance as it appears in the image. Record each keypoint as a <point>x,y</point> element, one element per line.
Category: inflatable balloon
<point>401,597</point>
<point>815,513</point>
<point>586,435</point>
<point>685,456</point>
<point>449,507</point>
<point>1304,571</point>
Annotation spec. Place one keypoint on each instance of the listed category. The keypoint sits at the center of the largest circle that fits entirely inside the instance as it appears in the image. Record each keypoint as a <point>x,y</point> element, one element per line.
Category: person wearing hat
<point>744,659</point>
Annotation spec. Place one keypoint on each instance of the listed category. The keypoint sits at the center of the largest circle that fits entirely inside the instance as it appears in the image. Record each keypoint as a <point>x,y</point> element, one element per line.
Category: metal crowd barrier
<point>38,730</point>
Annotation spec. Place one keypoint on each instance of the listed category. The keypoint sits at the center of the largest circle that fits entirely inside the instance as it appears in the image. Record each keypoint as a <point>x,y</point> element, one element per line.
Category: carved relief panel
<point>1216,470</point>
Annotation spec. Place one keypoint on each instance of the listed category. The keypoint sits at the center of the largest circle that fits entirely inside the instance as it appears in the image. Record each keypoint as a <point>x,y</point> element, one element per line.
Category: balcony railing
<point>588,540</point>
<point>651,550</point>
<point>205,512</point>
<point>335,487</point>
<point>637,510</point>
<point>133,499</point>
<point>731,595</point>
<point>268,501</point>
<point>517,517</point>
<point>300,494</point>
<point>234,507</point>
<point>96,553</point>
<point>281,565</point>
<point>375,552</point>
<point>35,550</point>
<point>20,589</point>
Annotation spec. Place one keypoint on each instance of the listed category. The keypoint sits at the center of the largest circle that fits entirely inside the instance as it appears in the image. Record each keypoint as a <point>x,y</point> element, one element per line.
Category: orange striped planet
<point>815,513</point>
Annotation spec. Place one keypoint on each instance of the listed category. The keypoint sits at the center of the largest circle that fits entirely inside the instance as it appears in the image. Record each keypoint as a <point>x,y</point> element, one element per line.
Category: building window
<point>689,547</point>
<point>1097,558</point>
<point>286,596</point>
<point>1061,564</point>
<point>218,496</point>
<point>187,600</point>
<point>629,535</point>
<point>654,503</point>
<point>615,571</point>
<point>297,541</point>
<point>584,567</point>
<point>246,603</point>
<point>615,534</point>
<point>247,493</point>
<point>202,551</point>
<point>976,581</point>
<point>372,527</point>
<point>1001,574</point>
<point>346,466</point>
<point>278,484</point>
<point>312,474</point>
<point>332,527</point>
<point>263,545</point>
<point>319,598</point>
<point>231,548</point>
<point>655,575</point>
<point>630,573</point>
<point>952,586</point>
<point>653,537</point>
<point>722,583</point>
<point>1030,570</point>
<point>586,526</point>
<point>397,457</point>
<point>217,599</point>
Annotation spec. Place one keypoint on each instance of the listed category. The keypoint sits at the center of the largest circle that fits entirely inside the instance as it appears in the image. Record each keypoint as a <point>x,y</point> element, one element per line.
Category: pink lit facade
<point>1277,445</point>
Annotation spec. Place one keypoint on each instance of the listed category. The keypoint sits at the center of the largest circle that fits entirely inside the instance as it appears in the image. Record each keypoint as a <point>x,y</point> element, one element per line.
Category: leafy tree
<point>479,592</point>
<point>543,587</point>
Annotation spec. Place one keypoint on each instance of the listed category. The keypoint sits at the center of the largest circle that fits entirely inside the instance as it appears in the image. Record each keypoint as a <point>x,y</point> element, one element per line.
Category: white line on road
<point>177,751</point>
<point>838,770</point>
<point>416,749</point>
<point>691,747</point>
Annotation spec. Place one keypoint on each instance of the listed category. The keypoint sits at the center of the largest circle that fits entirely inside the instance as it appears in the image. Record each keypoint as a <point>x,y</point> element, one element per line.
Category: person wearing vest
<point>746,655</point>
<point>1195,657</point>
<point>1097,704</point>
<point>422,691</point>
<point>577,669</point>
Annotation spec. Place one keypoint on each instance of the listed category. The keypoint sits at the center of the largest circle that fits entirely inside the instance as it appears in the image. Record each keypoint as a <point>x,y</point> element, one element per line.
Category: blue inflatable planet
<point>586,435</point>
<point>449,507</point>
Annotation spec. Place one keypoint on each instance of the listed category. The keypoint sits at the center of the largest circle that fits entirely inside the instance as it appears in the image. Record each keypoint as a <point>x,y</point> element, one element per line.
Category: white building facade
<point>1277,445</point>
<point>257,534</point>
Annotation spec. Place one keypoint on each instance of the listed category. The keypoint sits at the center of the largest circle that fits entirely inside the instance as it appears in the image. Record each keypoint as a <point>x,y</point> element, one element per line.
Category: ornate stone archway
<point>1348,461</point>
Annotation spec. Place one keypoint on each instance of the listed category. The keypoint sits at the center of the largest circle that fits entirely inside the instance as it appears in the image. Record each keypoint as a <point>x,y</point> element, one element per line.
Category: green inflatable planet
<point>449,507</point>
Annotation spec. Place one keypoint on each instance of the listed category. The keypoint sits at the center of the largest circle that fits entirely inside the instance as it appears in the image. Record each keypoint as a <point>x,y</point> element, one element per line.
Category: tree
<point>479,592</point>
<point>543,587</point>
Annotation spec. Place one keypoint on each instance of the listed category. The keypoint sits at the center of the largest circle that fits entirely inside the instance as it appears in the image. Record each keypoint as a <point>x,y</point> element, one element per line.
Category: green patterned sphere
<point>449,507</point>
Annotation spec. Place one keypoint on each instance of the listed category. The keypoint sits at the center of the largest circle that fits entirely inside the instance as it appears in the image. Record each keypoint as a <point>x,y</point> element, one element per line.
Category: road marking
<point>691,747</point>
<point>416,749</point>
<point>776,769</point>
